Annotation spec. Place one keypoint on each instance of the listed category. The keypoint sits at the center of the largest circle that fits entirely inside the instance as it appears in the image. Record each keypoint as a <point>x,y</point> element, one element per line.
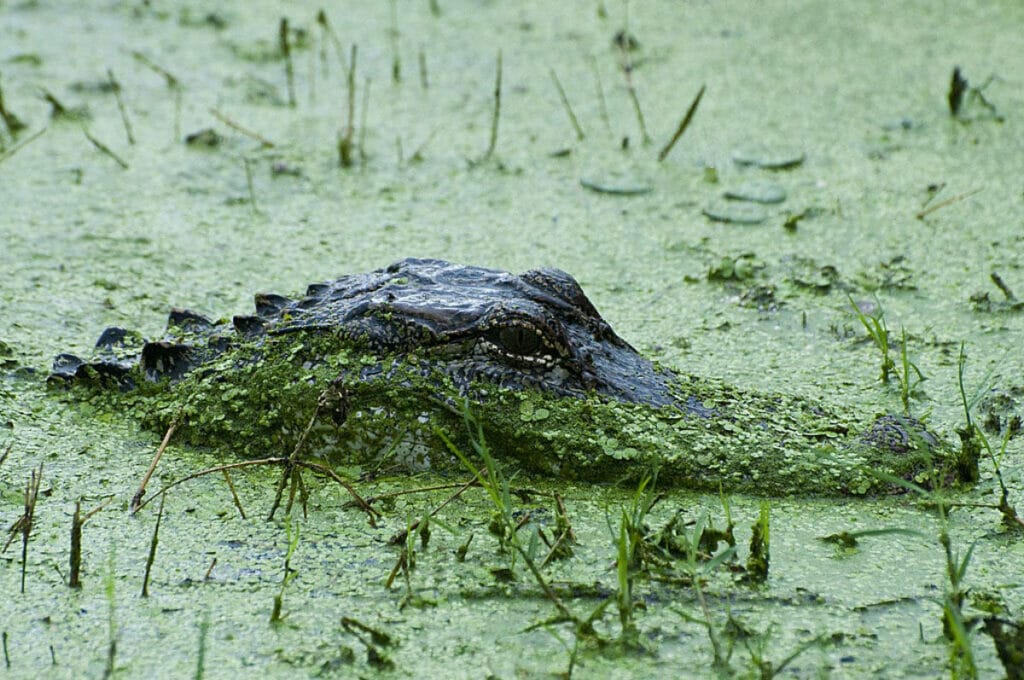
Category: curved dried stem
<point>277,460</point>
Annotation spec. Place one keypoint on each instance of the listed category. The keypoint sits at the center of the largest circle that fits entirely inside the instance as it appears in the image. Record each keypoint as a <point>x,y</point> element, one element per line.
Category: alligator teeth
<point>546,360</point>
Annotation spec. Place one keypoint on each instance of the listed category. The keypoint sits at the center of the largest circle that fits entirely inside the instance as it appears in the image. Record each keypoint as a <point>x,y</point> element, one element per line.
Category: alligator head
<point>474,324</point>
<point>393,355</point>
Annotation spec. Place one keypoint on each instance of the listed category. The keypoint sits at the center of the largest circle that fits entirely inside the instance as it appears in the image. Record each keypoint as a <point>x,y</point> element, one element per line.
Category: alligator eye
<point>517,339</point>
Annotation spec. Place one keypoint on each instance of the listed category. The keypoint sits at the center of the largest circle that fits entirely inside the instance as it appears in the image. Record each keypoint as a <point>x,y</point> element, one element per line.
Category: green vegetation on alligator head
<point>387,357</point>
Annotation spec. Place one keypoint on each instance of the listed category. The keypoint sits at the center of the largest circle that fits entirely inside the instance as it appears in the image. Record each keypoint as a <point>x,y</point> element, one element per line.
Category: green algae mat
<point>838,223</point>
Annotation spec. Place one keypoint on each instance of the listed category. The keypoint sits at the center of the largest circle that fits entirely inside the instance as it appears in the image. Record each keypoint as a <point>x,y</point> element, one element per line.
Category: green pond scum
<point>805,462</point>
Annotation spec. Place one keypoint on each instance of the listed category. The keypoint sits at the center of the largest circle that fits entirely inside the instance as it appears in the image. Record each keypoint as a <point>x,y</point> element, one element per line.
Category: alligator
<point>392,365</point>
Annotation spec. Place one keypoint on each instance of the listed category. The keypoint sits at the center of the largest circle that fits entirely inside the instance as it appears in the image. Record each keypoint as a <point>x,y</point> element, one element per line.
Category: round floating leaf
<point>769,158</point>
<point>616,186</point>
<point>733,212</point>
<point>757,192</point>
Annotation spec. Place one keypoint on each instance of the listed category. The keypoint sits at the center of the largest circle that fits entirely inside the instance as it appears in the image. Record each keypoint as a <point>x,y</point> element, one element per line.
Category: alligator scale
<point>388,358</point>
